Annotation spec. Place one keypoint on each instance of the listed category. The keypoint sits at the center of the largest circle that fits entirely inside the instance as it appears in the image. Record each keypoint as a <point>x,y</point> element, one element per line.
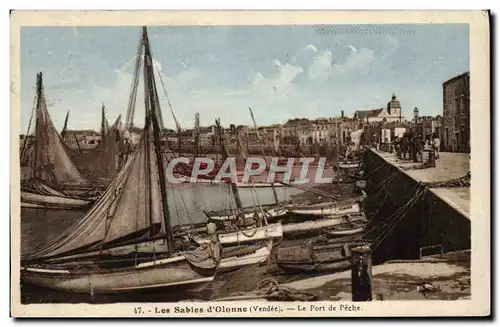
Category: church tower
<point>394,108</point>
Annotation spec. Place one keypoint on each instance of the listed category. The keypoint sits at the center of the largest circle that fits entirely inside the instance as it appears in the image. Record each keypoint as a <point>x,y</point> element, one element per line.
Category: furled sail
<point>130,210</point>
<point>50,163</point>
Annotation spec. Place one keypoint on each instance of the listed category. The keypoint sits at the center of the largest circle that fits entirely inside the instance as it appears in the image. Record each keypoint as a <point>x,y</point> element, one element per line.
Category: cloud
<point>350,46</point>
<point>320,67</point>
<point>356,61</point>
<point>279,81</point>
<point>311,47</point>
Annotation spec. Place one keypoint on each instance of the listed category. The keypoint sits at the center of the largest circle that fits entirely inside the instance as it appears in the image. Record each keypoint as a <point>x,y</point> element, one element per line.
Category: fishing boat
<point>133,210</point>
<point>269,212</point>
<point>236,233</point>
<point>258,185</point>
<point>50,180</point>
<point>349,164</point>
<point>320,257</point>
<point>105,160</point>
<point>325,208</point>
<point>241,256</point>
<point>244,235</point>
<point>342,225</point>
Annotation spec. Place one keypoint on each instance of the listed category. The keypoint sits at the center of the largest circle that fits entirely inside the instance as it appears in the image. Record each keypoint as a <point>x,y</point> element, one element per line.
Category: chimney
<point>342,114</point>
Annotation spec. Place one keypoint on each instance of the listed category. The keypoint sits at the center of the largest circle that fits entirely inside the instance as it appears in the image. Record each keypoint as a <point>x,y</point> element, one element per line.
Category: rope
<point>271,288</point>
<point>463,181</point>
<point>400,215</point>
<point>383,223</point>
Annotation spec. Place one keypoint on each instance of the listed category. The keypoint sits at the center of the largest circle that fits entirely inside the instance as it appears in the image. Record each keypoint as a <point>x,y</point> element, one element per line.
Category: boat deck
<point>448,166</point>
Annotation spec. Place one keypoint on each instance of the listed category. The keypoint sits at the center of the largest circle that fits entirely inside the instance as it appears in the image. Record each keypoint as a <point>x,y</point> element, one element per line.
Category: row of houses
<point>453,127</point>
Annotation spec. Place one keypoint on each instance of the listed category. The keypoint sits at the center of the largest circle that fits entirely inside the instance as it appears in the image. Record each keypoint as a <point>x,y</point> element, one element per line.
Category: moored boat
<point>242,256</point>
<point>242,236</point>
<point>59,201</point>
<point>92,255</point>
<point>325,208</point>
<point>349,164</point>
<point>340,224</point>
<point>330,256</point>
<point>51,179</point>
<point>269,212</point>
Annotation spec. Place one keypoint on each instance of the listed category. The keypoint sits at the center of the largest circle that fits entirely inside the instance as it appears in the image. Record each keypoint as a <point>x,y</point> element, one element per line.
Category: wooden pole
<point>361,274</point>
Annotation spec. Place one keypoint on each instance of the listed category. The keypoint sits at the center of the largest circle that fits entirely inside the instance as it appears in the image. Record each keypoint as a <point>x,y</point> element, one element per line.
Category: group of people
<point>412,146</point>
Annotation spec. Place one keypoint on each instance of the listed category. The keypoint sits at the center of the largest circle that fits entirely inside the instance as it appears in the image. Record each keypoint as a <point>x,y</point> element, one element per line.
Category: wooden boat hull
<point>34,200</point>
<point>272,231</point>
<point>258,185</point>
<point>301,267</point>
<point>256,257</point>
<point>349,165</point>
<point>317,225</point>
<point>326,209</point>
<point>316,258</point>
<point>345,232</point>
<point>149,275</point>
<point>270,212</point>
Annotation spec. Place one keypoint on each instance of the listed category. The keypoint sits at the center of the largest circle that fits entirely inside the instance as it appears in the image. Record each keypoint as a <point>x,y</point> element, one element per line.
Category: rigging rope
<point>381,224</point>
<point>399,215</point>
<point>463,181</point>
<point>28,131</point>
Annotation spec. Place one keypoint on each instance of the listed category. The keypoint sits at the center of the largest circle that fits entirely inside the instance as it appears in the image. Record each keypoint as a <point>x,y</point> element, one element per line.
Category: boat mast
<point>196,134</point>
<point>65,127</point>
<point>103,123</point>
<point>276,200</point>
<point>39,95</point>
<point>153,115</point>
<point>225,155</point>
<point>25,142</point>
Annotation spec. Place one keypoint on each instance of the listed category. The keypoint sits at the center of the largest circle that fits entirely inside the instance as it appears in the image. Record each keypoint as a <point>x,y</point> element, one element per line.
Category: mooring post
<point>432,158</point>
<point>361,274</point>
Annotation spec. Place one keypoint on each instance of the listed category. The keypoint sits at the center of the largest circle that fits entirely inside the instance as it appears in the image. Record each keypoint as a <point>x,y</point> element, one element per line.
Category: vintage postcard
<point>250,164</point>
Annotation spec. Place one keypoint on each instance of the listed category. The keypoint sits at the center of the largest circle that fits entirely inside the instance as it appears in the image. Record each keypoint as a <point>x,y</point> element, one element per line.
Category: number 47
<point>138,310</point>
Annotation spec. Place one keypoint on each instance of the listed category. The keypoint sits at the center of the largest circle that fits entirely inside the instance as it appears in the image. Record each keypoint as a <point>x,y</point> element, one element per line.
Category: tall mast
<point>152,103</point>
<point>196,134</point>
<point>129,120</point>
<point>65,127</point>
<point>225,155</point>
<point>276,200</point>
<point>39,95</point>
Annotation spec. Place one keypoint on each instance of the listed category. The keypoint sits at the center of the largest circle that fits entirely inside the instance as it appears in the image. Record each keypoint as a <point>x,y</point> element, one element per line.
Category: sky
<point>281,72</point>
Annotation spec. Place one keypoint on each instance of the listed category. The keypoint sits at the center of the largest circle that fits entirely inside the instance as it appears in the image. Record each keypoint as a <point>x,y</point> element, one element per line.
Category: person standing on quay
<point>436,144</point>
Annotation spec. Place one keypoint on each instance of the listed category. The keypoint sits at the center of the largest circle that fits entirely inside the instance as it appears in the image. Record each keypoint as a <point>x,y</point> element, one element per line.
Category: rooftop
<point>368,113</point>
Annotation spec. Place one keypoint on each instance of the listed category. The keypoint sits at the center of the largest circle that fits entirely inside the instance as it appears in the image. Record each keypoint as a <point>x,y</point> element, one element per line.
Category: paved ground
<point>447,277</point>
<point>448,166</point>
<point>400,280</point>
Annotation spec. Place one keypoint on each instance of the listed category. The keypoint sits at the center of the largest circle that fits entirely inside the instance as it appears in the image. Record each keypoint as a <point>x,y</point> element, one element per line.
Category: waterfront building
<point>456,114</point>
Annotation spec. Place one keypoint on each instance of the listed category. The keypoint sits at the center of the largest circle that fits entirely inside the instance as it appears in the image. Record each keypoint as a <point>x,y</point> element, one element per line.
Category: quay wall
<point>430,221</point>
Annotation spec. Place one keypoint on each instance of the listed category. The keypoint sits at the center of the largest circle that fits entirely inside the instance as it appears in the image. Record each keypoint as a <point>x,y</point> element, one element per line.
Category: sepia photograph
<point>198,164</point>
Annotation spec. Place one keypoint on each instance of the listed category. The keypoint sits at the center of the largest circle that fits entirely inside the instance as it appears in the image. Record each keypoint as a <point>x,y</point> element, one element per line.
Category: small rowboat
<point>349,165</point>
<point>241,256</point>
<point>341,224</point>
<point>331,256</point>
<point>325,209</point>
